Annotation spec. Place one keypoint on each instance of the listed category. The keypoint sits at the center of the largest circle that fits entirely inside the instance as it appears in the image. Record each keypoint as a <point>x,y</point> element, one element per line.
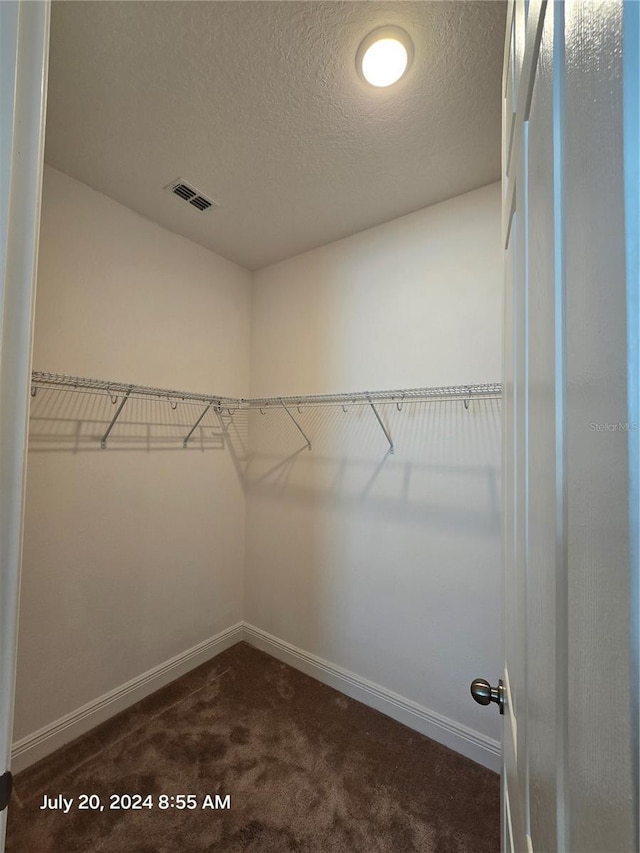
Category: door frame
<point>24,55</point>
<point>524,23</point>
<point>631,130</point>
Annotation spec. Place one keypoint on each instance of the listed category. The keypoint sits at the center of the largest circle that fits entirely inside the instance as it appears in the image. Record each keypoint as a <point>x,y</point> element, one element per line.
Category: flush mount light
<point>384,56</point>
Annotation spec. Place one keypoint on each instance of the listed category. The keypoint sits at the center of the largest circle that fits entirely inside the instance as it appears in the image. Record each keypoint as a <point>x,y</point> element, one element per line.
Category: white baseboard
<point>35,746</point>
<point>46,740</point>
<point>474,745</point>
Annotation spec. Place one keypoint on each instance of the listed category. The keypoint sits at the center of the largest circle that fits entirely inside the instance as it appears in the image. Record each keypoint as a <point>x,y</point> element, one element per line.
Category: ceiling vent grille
<point>190,194</point>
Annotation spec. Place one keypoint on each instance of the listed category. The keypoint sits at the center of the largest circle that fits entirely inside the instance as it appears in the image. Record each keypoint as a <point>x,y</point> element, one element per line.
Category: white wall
<point>388,566</point>
<point>130,556</point>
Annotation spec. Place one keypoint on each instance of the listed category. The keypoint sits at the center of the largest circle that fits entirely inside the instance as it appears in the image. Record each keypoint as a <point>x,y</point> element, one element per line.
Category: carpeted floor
<point>307,770</point>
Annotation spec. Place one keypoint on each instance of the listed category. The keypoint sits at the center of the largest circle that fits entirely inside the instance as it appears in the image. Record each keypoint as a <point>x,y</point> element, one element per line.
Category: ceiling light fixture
<point>384,56</point>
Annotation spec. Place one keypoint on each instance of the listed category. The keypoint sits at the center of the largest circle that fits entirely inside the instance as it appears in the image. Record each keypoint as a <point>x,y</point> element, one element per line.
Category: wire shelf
<point>121,392</point>
<point>81,384</point>
<point>487,390</point>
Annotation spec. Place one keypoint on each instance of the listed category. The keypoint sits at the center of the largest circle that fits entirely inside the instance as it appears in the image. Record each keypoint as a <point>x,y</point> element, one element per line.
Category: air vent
<point>190,194</point>
<point>200,202</point>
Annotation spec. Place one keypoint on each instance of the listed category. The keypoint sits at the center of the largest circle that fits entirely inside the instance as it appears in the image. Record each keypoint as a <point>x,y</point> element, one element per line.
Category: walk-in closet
<point>262,536</point>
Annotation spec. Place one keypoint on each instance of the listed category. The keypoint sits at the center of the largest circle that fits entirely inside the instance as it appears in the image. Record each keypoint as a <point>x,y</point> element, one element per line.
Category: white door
<point>570,427</point>
<point>24,41</point>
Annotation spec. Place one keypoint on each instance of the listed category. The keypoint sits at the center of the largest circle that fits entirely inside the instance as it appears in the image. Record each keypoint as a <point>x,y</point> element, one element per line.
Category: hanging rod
<point>399,396</point>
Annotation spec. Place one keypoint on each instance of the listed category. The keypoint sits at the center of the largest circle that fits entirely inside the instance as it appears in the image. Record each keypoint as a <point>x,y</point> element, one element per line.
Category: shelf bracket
<point>302,432</point>
<point>103,440</point>
<point>195,426</point>
<point>382,426</point>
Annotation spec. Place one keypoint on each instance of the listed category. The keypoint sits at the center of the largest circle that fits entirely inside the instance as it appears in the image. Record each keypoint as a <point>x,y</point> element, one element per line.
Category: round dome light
<point>384,56</point>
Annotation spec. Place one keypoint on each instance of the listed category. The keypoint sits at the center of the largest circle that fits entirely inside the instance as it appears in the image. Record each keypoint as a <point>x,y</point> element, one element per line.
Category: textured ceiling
<point>258,104</point>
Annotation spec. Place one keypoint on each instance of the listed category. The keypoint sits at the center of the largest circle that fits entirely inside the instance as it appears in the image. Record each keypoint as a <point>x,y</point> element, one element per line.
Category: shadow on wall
<point>381,563</point>
<point>77,421</point>
<point>445,470</point>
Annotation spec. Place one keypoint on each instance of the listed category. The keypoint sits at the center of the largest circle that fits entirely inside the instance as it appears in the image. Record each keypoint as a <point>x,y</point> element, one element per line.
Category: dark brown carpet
<point>307,770</point>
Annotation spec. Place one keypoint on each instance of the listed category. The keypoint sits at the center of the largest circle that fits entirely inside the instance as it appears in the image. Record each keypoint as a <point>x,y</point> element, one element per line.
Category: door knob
<point>485,694</point>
